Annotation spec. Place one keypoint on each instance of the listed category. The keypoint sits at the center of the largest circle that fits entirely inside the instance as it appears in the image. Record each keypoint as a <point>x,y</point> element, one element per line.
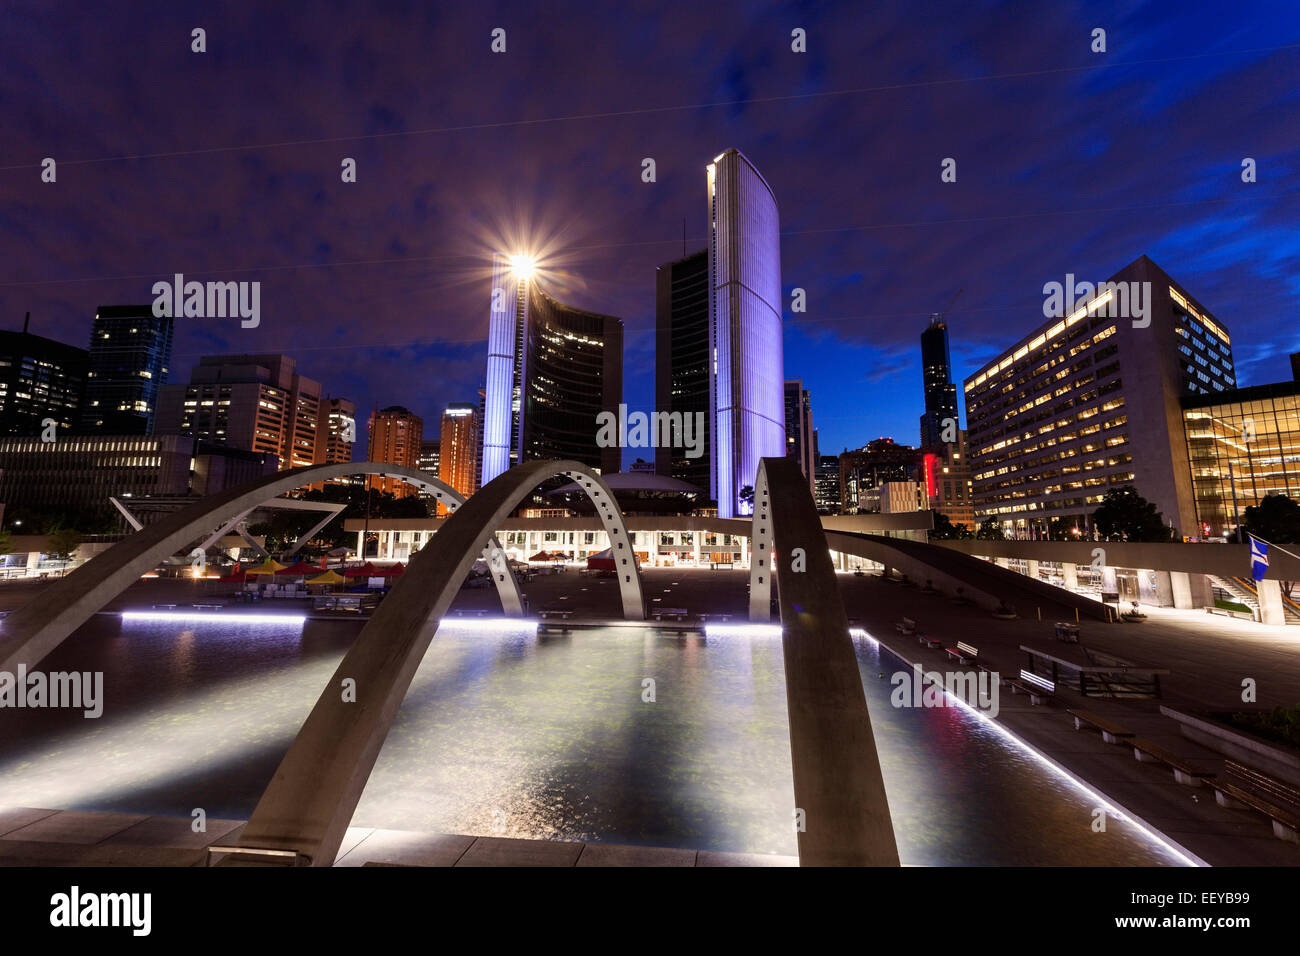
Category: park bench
<point>1111,732</point>
<point>906,626</point>
<point>928,641</point>
<point>1039,689</point>
<point>560,611</point>
<point>1148,751</point>
<point>1279,801</point>
<point>963,652</point>
<point>676,613</point>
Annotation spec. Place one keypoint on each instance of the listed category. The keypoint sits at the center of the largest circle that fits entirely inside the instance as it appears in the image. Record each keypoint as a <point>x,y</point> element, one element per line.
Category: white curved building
<point>747,374</point>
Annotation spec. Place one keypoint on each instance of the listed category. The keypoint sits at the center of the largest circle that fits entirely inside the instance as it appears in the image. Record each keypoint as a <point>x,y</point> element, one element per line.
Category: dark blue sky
<point>225,165</point>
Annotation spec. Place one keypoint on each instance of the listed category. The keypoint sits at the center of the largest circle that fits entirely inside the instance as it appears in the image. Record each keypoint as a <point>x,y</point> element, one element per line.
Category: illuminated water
<point>535,736</point>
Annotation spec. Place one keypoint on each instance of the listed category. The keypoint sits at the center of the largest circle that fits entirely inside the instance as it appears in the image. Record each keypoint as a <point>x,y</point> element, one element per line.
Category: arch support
<point>760,550</point>
<point>837,778</point>
<point>310,801</point>
<point>35,629</point>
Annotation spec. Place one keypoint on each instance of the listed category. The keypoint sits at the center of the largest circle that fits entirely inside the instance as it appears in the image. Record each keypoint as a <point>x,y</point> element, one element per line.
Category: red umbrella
<point>394,571</point>
<point>236,577</point>
<point>366,570</point>
<point>299,568</point>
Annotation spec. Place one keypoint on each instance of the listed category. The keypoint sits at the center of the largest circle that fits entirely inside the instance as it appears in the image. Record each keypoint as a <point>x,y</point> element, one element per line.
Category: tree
<point>1126,515</point>
<point>990,530</point>
<point>62,542</point>
<point>945,530</point>
<point>1063,529</point>
<point>5,545</point>
<point>747,496</point>
<point>1276,518</point>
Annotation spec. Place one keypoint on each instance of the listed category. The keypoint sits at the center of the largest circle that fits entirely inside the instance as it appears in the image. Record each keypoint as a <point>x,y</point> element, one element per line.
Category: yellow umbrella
<point>329,577</point>
<point>270,566</point>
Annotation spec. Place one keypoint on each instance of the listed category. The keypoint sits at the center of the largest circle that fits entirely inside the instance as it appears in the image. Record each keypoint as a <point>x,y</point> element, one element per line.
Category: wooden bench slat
<point>1255,801</point>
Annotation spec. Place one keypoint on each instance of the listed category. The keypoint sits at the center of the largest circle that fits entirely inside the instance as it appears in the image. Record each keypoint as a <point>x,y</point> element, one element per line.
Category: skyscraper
<point>551,370</point>
<point>395,436</point>
<point>799,439</point>
<point>40,379</point>
<point>336,431</point>
<point>459,448</point>
<point>431,455</point>
<point>747,368</point>
<point>682,359</point>
<point>130,349</point>
<point>259,403</point>
<point>940,390</point>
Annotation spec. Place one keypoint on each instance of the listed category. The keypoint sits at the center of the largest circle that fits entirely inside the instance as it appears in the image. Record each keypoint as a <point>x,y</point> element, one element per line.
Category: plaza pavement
<point>37,837</point>
<point>1208,656</point>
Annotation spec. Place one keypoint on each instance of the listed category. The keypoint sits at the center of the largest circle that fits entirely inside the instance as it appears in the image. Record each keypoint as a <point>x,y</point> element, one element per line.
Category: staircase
<point>1243,591</point>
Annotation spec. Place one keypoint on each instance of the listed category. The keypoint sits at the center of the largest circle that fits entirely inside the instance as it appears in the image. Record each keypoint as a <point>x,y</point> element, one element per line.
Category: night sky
<point>226,165</point>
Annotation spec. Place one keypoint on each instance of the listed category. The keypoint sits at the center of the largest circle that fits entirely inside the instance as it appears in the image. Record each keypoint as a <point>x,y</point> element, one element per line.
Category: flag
<point>1258,557</point>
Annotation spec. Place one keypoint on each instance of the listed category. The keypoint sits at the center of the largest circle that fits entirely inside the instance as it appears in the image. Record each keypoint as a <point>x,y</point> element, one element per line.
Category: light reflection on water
<point>539,736</point>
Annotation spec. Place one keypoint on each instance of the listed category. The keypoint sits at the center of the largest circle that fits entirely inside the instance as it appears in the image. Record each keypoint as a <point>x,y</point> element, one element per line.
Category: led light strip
<point>213,616</point>
<point>488,624</point>
<point>742,630</point>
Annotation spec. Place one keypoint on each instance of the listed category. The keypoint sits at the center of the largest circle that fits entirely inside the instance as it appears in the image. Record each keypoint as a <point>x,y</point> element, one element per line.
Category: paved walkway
<point>36,837</point>
<point>1207,659</point>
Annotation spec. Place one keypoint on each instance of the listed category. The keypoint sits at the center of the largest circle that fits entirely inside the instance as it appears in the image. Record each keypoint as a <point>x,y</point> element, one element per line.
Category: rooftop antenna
<point>937,317</point>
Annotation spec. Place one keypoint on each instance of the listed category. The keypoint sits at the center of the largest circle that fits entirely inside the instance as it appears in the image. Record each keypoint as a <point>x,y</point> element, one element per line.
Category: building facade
<point>864,471</point>
<point>682,360</point>
<point>257,403</point>
<point>460,447</point>
<point>947,476</point>
<point>395,437</point>
<point>1242,446</point>
<point>551,370</point>
<point>1090,401</point>
<point>130,350</point>
<point>747,371</point>
<point>826,492</point>
<point>336,431</point>
<point>40,380</point>
<point>75,476</point>
<point>800,442</point>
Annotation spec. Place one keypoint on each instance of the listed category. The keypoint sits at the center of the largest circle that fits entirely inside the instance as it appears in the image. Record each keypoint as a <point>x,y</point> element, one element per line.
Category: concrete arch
<point>760,547</point>
<point>310,801</point>
<point>837,779</point>
<point>41,625</point>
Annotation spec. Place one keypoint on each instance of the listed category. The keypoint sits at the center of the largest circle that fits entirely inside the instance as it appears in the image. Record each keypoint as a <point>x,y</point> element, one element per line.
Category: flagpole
<point>1278,546</point>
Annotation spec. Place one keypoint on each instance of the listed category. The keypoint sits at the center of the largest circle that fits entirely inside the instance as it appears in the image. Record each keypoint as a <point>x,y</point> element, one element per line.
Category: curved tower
<point>747,374</point>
